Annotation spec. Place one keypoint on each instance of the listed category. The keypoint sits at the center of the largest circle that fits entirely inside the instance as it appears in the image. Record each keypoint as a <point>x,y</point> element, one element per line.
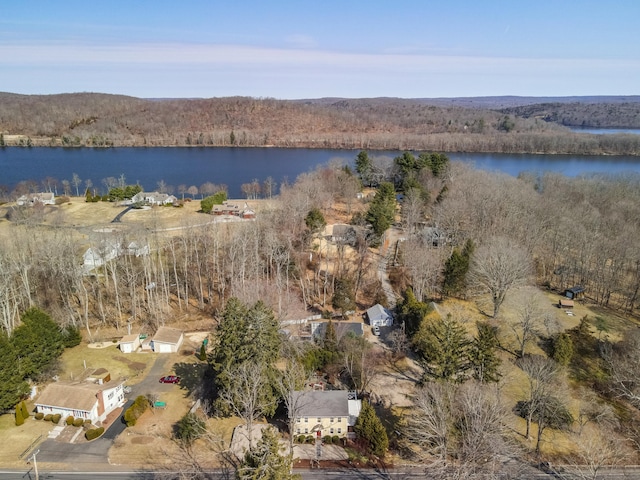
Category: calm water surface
<point>235,166</point>
<point>606,131</point>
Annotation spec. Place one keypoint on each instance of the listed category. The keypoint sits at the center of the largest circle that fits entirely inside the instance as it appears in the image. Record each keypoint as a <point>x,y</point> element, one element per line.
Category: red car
<point>170,379</point>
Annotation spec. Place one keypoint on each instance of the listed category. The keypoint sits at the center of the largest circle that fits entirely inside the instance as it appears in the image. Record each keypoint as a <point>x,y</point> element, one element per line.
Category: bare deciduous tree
<point>246,396</point>
<point>497,267</point>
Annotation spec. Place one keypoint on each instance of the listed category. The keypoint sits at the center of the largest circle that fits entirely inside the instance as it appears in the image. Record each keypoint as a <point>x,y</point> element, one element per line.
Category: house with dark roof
<point>318,329</point>
<point>326,412</point>
<point>167,340</point>
<point>91,401</point>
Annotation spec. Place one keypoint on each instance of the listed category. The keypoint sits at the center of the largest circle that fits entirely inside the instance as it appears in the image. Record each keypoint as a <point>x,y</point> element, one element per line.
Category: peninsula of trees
<point>485,124</point>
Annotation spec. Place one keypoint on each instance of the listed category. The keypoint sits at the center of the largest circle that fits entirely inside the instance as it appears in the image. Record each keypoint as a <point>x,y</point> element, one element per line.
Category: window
<point>298,419</point>
<point>331,430</point>
<point>298,431</point>
<point>306,430</point>
<point>339,419</point>
<point>319,420</point>
<point>331,420</point>
<point>339,430</point>
<point>306,419</point>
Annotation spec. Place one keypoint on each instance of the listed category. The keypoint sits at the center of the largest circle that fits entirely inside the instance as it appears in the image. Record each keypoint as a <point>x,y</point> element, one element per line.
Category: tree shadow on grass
<point>197,379</point>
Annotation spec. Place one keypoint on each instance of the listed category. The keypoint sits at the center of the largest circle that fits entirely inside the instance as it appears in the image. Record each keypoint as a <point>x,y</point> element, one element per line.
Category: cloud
<point>180,68</point>
<point>301,41</point>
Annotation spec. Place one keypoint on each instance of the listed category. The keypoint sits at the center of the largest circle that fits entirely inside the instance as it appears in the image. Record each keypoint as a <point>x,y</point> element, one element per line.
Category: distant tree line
<point>99,120</point>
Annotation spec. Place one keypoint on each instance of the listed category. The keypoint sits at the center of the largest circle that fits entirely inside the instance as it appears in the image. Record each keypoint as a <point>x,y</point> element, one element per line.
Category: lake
<point>606,131</point>
<point>235,166</point>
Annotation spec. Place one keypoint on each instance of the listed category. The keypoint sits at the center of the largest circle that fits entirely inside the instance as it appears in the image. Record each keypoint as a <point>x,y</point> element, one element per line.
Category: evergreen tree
<point>330,338</point>
<point>245,334</point>
<point>71,336</point>
<point>38,342</point>
<point>24,409</point>
<point>482,354</point>
<point>12,385</point>
<point>314,220</point>
<point>189,428</point>
<point>369,428</point>
<point>343,295</point>
<point>364,167</point>
<point>563,349</point>
<point>455,270</point>
<point>443,349</point>
<point>18,416</point>
<point>410,312</point>
<point>382,209</point>
<point>264,462</point>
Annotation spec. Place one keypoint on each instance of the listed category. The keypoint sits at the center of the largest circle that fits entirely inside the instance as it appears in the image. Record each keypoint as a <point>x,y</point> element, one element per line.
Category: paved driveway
<point>96,452</point>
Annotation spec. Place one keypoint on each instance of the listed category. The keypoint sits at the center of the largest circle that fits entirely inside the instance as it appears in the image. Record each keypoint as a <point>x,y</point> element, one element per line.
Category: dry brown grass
<point>119,365</point>
<point>15,440</point>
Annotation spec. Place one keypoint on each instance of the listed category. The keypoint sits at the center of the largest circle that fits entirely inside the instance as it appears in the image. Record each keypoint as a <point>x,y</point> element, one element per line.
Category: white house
<point>325,412</point>
<point>97,256</point>
<point>130,343</point>
<point>167,340</point>
<point>153,198</point>
<point>379,316</point>
<point>45,198</point>
<point>91,401</point>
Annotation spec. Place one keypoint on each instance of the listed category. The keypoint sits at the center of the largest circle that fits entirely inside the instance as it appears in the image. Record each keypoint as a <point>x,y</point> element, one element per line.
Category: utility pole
<point>35,463</point>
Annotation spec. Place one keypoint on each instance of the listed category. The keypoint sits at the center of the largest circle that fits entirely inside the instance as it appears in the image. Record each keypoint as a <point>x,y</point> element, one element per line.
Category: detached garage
<point>167,340</point>
<point>130,343</point>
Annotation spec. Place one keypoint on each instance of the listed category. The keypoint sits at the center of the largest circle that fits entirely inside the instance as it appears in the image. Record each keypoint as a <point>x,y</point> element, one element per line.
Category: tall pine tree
<point>369,428</point>
<point>455,270</point>
<point>482,354</point>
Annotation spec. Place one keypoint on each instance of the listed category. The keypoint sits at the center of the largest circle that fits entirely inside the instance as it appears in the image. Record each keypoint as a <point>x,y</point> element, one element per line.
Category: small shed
<point>379,316</point>
<point>130,343</point>
<point>574,292</point>
<point>167,340</point>
<point>565,303</point>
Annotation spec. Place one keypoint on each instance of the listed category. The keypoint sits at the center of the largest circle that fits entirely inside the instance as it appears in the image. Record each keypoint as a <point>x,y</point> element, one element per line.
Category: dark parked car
<point>170,379</point>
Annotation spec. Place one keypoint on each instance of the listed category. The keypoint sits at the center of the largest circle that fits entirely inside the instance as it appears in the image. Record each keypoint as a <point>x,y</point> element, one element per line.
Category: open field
<point>85,219</point>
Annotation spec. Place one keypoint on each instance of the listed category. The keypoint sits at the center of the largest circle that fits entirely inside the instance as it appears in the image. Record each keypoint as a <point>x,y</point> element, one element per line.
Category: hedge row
<point>132,413</point>
<point>93,433</point>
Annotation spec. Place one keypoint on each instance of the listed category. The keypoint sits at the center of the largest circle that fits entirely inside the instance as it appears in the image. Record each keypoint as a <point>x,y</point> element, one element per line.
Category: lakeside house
<point>234,209</point>
<point>153,198</point>
<point>44,198</point>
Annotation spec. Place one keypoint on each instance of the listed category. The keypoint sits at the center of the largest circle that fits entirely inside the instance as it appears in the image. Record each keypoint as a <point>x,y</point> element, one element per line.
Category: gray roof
<point>341,328</point>
<point>322,403</point>
<point>377,311</point>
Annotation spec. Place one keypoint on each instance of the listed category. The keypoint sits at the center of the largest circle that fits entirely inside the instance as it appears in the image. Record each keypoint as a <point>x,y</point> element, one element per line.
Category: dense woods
<point>99,120</point>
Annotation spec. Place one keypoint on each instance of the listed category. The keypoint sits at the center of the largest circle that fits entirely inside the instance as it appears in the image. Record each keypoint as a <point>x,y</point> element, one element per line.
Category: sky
<point>331,48</point>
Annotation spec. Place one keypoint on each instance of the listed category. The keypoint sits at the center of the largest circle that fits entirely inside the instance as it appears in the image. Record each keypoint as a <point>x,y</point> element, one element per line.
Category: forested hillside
<point>90,119</point>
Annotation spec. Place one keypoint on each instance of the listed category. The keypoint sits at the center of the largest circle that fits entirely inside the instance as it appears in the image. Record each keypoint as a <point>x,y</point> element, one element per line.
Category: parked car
<point>170,379</point>
<point>375,330</point>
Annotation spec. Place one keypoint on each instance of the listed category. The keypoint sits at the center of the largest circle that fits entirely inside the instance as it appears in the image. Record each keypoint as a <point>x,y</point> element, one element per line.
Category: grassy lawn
<point>15,440</point>
<point>120,365</point>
